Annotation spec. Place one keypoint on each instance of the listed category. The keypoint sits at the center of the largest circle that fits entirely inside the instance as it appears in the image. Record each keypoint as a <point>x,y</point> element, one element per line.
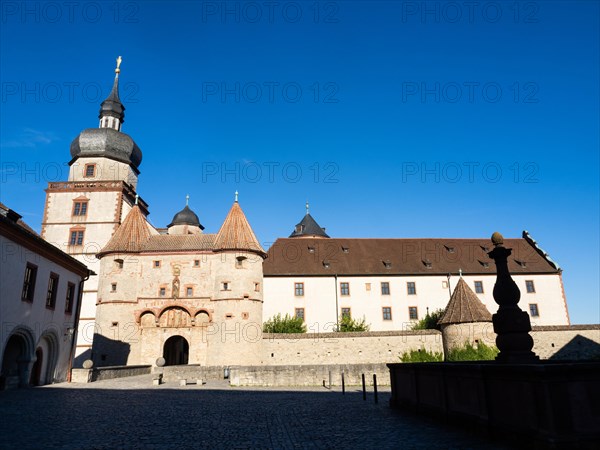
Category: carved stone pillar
<point>511,324</point>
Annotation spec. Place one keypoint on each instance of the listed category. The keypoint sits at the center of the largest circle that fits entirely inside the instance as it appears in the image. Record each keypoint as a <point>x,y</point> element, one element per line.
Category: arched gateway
<point>176,351</point>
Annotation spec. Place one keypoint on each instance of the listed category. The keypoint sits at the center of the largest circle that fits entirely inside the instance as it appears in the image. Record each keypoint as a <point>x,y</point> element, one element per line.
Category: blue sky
<point>394,119</point>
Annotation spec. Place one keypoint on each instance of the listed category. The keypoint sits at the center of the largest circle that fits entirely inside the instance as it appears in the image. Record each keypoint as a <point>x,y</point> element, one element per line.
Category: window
<point>479,287</point>
<point>245,315</point>
<point>156,264</point>
<point>411,288</point>
<point>76,237</point>
<point>346,312</point>
<point>345,288</point>
<point>298,289</point>
<point>387,313</point>
<point>118,263</point>
<point>239,262</point>
<point>413,314</point>
<point>162,292</point>
<point>299,313</point>
<point>52,289</point>
<point>113,287</point>
<point>189,292</point>
<point>90,170</point>
<point>533,310</point>
<point>225,286</point>
<point>530,286</point>
<point>385,288</point>
<point>256,287</point>
<point>69,298</point>
<point>80,208</point>
<point>368,286</point>
<point>196,263</point>
<point>29,283</point>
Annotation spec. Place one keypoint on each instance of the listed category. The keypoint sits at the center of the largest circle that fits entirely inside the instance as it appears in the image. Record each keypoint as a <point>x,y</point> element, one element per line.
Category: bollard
<point>364,387</point>
<point>343,385</point>
<point>375,387</point>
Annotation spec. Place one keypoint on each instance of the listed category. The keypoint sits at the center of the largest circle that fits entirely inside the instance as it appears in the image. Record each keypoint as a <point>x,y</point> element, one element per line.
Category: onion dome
<point>108,141</point>
<point>186,217</point>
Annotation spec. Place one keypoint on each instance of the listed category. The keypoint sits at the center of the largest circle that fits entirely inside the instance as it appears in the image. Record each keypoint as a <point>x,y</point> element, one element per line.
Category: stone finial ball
<point>88,364</point>
<point>160,362</point>
<point>497,239</point>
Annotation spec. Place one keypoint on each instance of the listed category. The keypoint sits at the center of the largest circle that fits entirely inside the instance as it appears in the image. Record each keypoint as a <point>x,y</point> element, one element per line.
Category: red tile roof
<point>236,233</point>
<point>131,235</point>
<point>357,256</point>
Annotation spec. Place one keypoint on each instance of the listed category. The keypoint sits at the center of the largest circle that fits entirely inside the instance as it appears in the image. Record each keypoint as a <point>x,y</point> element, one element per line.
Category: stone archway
<point>16,360</point>
<point>176,351</point>
<point>46,357</point>
<point>36,370</point>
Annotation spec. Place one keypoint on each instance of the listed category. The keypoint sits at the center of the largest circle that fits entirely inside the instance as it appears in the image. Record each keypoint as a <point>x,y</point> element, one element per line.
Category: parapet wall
<point>376,347</point>
<point>309,375</point>
<point>567,342</point>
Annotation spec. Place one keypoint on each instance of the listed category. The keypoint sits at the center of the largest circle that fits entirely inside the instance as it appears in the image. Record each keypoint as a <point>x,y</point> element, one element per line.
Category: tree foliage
<point>287,324</point>
<point>468,352</point>
<point>348,324</point>
<point>430,321</point>
<point>421,355</point>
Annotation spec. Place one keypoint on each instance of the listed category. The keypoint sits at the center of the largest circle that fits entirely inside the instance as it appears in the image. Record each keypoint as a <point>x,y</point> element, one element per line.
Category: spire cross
<point>136,198</point>
<point>187,200</point>
<point>460,272</point>
<point>307,206</point>
<point>236,196</point>
<point>118,70</point>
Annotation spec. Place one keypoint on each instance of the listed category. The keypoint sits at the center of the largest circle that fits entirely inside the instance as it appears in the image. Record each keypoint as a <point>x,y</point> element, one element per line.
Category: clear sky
<point>393,118</point>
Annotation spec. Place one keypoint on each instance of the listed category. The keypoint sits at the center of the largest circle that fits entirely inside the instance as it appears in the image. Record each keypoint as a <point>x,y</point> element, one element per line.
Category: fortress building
<point>196,297</point>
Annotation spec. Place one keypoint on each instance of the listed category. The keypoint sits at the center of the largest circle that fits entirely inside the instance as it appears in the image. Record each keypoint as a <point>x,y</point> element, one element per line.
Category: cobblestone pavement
<point>131,413</point>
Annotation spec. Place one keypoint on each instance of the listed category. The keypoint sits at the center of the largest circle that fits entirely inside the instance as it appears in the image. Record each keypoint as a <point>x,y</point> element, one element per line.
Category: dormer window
<point>299,228</point>
<point>326,264</point>
<point>485,264</point>
<point>345,250</point>
<point>427,263</point>
<point>485,248</point>
<point>311,249</point>
<point>521,263</point>
<point>387,264</point>
<point>450,248</point>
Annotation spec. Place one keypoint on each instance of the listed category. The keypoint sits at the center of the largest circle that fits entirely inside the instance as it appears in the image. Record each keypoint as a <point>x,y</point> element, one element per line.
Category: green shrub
<point>349,324</point>
<point>287,324</point>
<point>468,352</point>
<point>430,321</point>
<point>421,355</point>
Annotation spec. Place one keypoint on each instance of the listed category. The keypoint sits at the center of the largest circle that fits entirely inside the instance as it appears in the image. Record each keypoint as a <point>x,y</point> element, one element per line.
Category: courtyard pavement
<point>131,413</point>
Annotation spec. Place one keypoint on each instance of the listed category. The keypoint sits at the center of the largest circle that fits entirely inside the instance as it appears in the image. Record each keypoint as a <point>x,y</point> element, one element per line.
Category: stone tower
<point>188,296</point>
<point>81,214</point>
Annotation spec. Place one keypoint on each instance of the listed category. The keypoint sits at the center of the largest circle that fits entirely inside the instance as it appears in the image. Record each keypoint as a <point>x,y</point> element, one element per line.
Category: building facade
<point>187,296</point>
<point>39,306</point>
<point>81,214</point>
<point>393,283</point>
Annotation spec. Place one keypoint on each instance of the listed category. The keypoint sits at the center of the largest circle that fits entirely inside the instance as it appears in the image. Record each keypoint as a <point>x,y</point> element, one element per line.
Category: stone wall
<point>107,373</point>
<point>309,375</point>
<point>574,342</point>
<point>345,348</point>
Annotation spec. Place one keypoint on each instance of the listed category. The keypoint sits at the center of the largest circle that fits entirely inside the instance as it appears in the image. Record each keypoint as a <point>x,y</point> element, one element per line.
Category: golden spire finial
<point>118,70</point>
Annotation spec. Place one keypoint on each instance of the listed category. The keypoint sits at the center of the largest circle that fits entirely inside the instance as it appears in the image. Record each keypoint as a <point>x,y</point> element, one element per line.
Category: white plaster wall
<point>35,316</point>
<point>106,170</point>
<point>431,294</point>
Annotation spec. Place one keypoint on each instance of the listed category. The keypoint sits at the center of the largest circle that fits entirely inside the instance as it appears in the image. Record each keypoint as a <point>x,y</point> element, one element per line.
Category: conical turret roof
<point>308,227</point>
<point>130,236</point>
<point>236,233</point>
<point>464,307</point>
